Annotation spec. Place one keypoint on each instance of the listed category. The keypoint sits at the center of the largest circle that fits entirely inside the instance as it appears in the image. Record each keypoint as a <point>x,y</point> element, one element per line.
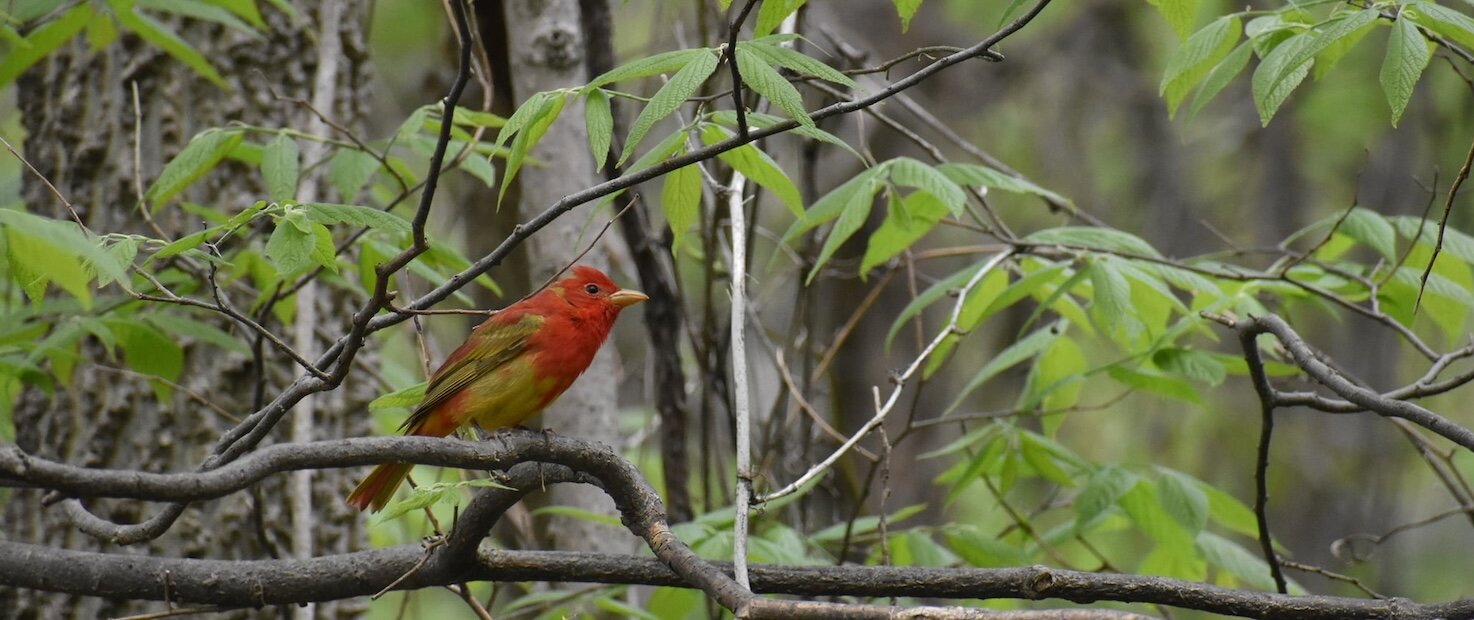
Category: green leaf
<point>102,31</point>
<point>852,215</point>
<point>1407,55</point>
<point>415,123</point>
<point>981,435</point>
<point>147,350</point>
<point>123,252</point>
<point>794,61</point>
<point>599,124</point>
<point>758,75</point>
<point>662,151</point>
<point>404,398</point>
<point>762,121</point>
<point>43,250</point>
<point>664,62</point>
<point>916,548</point>
<point>976,175</point>
<point>247,214</point>
<point>619,609</point>
<point>165,39</point>
<point>1101,491</point>
<point>326,213</point>
<point>1092,237</point>
<point>908,172</point>
<point>1178,13</point>
<point>35,263</point>
<point>906,9</point>
<point>293,245</point>
<point>1038,454</point>
<point>1055,380</point>
<point>280,167</point>
<point>245,9</point>
<point>830,205</point>
<point>45,39</point>
<point>349,170</point>
<point>577,513</point>
<point>1111,297</point>
<point>203,152</point>
<point>680,200</point>
<point>1197,57</point>
<point>1220,77</point>
<point>770,15</point>
<point>1288,63</point>
<point>1371,228</point>
<point>527,137</point>
<point>1452,24</point>
<point>1148,512</point>
<point>1179,560</point>
<point>1154,382</point>
<point>201,11</point>
<point>1244,565</point>
<point>927,298</point>
<point>182,244</point>
<point>978,305</point>
<point>670,97</point>
<point>1190,363</point>
<point>906,221</point>
<point>1183,500</point>
<point>1455,242</point>
<point>199,331</point>
<point>477,118</point>
<point>863,525</point>
<point>1035,277</point>
<point>1025,348</point>
<point>983,549</point>
<point>479,166</point>
<point>758,167</point>
<point>1328,58</point>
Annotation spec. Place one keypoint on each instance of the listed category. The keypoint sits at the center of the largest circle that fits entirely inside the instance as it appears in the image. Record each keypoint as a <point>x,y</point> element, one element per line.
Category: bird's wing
<point>491,345</point>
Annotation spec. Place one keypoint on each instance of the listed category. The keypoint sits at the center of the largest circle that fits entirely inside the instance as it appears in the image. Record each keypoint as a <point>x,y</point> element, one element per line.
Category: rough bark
<point>78,111</point>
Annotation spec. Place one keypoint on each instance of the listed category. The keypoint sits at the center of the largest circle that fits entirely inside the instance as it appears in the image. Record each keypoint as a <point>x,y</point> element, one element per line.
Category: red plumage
<point>512,366</point>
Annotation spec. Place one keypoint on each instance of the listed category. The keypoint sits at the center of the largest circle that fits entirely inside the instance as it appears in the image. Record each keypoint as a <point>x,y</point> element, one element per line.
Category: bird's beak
<point>621,299</point>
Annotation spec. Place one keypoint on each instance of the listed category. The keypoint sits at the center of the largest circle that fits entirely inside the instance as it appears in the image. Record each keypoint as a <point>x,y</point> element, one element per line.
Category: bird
<point>512,366</point>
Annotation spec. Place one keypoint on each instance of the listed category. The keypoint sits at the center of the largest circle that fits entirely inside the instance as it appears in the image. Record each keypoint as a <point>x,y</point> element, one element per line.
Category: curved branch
<point>639,506</point>
<point>253,583</point>
<point>1360,396</point>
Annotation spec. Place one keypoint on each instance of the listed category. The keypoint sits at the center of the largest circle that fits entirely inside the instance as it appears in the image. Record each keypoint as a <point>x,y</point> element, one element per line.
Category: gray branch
<point>532,460</point>
<point>270,582</point>
<point>1362,397</point>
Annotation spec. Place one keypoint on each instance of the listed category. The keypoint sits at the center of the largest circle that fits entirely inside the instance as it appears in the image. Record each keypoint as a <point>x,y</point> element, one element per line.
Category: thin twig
<point>899,383</point>
<point>64,202</point>
<point>1448,207</point>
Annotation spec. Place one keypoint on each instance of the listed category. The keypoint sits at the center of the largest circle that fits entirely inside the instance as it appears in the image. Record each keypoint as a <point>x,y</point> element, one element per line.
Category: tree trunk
<point>78,111</point>
<point>546,49</point>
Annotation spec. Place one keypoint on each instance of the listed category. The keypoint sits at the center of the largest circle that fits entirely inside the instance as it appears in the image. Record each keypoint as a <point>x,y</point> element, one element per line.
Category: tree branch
<point>270,582</point>
<point>1360,396</point>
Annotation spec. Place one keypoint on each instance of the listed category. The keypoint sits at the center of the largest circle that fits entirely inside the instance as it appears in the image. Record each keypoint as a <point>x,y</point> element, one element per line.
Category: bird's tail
<point>378,488</point>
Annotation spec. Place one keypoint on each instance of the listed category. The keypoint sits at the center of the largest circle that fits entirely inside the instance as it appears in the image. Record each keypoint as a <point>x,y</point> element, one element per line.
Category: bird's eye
<point>592,289</point>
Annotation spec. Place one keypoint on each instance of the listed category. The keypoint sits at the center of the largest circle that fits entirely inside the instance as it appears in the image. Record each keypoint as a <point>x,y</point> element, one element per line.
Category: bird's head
<point>587,288</point>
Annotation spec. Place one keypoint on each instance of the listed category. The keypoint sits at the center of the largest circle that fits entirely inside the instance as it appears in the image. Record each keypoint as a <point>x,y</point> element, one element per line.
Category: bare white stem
<point>324,87</point>
<point>899,384</point>
<point>738,218</point>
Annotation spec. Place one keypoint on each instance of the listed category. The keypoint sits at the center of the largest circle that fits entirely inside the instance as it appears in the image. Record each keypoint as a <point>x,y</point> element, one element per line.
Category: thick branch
<point>639,506</point>
<point>268,582</point>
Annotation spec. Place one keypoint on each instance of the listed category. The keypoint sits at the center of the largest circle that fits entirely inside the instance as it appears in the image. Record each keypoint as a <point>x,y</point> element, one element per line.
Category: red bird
<point>512,366</point>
